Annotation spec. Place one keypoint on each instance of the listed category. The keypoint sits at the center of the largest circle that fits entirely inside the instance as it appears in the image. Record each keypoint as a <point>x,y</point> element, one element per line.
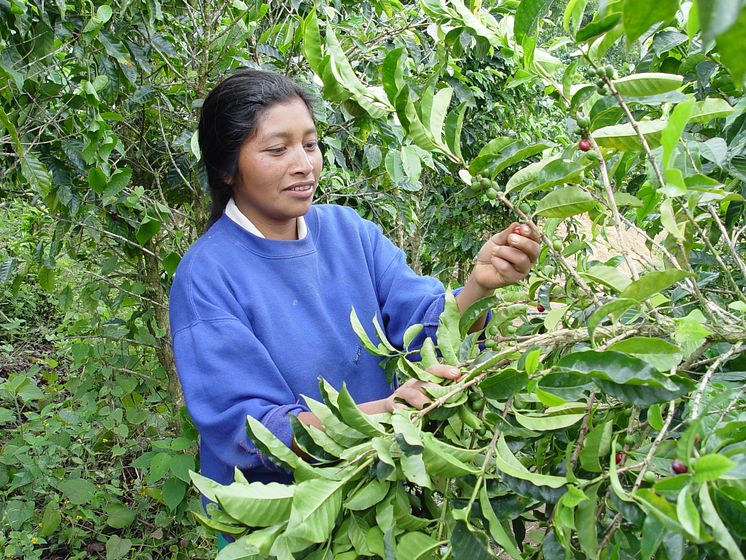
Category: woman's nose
<point>302,162</point>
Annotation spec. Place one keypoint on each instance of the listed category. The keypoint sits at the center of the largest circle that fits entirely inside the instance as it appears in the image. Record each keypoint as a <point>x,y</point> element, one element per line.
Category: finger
<point>506,270</point>
<point>502,237</point>
<point>526,245</point>
<point>526,231</point>
<point>416,398</point>
<point>517,258</point>
<point>445,371</point>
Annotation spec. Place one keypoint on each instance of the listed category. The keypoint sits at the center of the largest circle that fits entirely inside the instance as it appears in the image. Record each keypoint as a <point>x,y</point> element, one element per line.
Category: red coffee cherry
<point>619,458</point>
<point>584,145</point>
<point>678,467</point>
<point>540,308</point>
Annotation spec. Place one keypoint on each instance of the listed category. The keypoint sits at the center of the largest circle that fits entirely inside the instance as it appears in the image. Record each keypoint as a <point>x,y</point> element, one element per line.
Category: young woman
<point>260,304</point>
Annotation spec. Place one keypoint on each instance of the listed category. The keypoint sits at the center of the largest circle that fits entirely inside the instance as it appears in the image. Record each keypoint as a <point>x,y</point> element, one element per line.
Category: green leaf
<point>547,423</point>
<point>506,462</point>
<point>440,462</point>
<point>719,530</point>
<point>258,504</point>
<point>474,312</point>
<point>97,180</point>
<point>504,539</point>
<point>501,153</point>
<point>469,544</point>
<point>597,27</point>
<point>174,491</point>
<point>118,181</point>
<point>647,83</point>
<point>416,546</point>
<point>716,16</point>
<point>159,466</point>
<point>315,507</point>
<point>117,547</point>
<point>710,108</point>
<point>597,444</point>
<point>206,486</point>
<point>687,513</point>
<point>453,126</point>
<point>35,172</point>
<point>574,15</point>
<point>652,283</point>
<point>608,276</point>
<point>565,202</point>
<point>448,333</point>
<point>675,127</point>
<point>78,491</point>
<point>392,73</point>
<point>659,353</point>
<point>623,137</point>
<point>119,516</point>
<point>147,230</point>
<point>527,17</point>
<point>626,378</point>
<point>353,416</point>
<point>312,41</point>
<point>730,46</point>
<point>641,15</point>
<point>276,450</point>
<point>503,385</point>
<point>361,334</point>
<point>368,496</point>
<point>414,470</point>
<point>711,467</point>
<point>50,520</point>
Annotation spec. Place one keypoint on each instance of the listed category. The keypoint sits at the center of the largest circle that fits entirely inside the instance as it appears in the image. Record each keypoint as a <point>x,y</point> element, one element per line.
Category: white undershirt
<point>232,211</point>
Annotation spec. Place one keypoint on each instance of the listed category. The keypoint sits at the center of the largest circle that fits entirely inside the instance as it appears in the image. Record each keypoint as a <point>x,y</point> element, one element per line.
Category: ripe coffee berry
<point>540,308</point>
<point>619,458</point>
<point>517,229</point>
<point>678,467</point>
<point>584,145</point>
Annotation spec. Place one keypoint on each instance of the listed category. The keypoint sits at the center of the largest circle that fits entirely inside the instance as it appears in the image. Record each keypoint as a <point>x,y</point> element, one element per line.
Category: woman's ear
<point>227,179</point>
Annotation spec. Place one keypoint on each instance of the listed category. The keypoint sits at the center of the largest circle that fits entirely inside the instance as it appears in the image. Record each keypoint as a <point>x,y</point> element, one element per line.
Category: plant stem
<point>707,376</point>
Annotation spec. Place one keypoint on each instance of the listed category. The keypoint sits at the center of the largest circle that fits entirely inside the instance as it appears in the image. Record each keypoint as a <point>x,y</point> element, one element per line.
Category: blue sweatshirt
<point>255,323</point>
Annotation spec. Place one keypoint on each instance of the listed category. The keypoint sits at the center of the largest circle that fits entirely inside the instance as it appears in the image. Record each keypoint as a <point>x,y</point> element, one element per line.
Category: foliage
<point>609,424</point>
<point>101,193</point>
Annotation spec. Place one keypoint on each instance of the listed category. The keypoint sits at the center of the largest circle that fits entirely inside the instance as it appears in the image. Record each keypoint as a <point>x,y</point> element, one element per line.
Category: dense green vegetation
<point>604,415</point>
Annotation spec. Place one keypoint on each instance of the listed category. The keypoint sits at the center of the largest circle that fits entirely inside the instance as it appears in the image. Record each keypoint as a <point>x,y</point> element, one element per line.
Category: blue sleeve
<point>226,375</point>
<point>405,298</point>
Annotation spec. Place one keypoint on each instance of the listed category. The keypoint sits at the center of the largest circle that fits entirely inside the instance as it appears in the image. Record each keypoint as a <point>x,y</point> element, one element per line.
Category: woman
<point>260,304</point>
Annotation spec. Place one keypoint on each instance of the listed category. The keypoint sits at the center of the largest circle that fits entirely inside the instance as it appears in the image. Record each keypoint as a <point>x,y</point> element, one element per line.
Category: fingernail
<point>515,238</point>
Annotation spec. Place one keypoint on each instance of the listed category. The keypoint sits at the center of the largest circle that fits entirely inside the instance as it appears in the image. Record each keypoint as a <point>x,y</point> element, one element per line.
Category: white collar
<point>232,211</point>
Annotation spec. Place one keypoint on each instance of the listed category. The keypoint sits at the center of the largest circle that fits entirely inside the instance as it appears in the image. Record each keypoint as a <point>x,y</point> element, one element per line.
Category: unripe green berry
<point>491,194</point>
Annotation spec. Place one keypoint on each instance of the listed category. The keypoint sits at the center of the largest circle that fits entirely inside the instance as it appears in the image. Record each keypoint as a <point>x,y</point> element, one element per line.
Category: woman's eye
<point>276,150</point>
<point>312,145</point>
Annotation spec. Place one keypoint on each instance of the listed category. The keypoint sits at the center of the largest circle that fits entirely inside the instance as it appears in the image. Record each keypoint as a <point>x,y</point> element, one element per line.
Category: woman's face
<point>278,169</point>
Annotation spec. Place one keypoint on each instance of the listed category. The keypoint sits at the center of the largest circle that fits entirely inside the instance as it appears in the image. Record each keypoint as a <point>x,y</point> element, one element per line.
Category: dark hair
<point>229,116</point>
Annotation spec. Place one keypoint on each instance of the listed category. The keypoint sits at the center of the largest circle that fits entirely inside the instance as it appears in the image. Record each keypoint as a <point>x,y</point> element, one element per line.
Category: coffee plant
<point>600,411</point>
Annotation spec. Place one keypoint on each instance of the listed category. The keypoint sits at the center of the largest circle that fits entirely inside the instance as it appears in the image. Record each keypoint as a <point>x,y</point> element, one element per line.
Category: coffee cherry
<point>678,467</point>
<point>584,145</point>
<point>540,308</point>
<point>619,458</point>
<point>649,477</point>
<point>485,183</point>
<point>609,71</point>
<point>557,245</point>
<point>517,230</point>
<point>525,207</point>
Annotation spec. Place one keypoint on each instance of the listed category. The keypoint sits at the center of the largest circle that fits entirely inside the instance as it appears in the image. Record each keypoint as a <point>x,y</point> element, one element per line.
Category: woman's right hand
<point>412,392</point>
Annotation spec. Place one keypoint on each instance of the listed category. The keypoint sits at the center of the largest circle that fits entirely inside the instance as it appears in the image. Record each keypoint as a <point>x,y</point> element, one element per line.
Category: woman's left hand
<point>506,258</point>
